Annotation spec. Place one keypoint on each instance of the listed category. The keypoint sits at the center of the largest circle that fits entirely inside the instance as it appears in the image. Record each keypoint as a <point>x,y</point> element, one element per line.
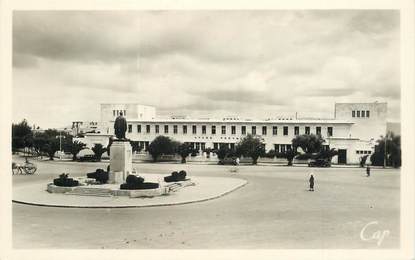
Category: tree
<point>136,146</point>
<point>162,145</point>
<point>222,152</point>
<point>289,155</point>
<point>39,142</point>
<point>251,146</point>
<point>46,142</point>
<point>393,151</point>
<point>184,149</point>
<point>308,143</point>
<point>98,150</point>
<point>51,147</point>
<point>22,135</point>
<point>327,154</point>
<point>75,147</point>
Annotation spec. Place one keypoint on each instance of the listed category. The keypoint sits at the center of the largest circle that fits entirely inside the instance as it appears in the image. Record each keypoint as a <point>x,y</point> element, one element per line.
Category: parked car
<point>87,158</point>
<point>228,161</point>
<point>319,163</point>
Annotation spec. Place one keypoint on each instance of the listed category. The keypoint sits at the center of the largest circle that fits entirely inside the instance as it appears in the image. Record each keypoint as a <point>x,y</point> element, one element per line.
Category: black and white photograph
<point>208,128</point>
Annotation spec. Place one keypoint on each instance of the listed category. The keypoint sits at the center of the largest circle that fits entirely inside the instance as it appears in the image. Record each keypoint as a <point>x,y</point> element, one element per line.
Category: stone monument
<point>120,153</point>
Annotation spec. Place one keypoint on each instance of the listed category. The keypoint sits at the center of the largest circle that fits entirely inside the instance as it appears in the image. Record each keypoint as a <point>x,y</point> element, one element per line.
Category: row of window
<point>264,130</point>
<point>118,112</point>
<point>282,148</point>
<point>363,152</point>
<point>360,113</point>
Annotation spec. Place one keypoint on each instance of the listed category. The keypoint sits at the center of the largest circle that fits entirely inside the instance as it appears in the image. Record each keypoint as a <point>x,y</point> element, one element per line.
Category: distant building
<point>353,130</point>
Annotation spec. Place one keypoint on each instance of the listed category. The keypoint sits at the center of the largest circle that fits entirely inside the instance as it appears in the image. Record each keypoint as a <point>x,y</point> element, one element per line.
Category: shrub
<point>134,180</point>
<point>137,183</point>
<point>99,175</point>
<point>64,181</point>
<point>176,176</point>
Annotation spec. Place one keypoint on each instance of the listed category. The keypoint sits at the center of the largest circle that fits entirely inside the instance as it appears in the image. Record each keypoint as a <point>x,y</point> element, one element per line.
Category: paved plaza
<point>274,210</point>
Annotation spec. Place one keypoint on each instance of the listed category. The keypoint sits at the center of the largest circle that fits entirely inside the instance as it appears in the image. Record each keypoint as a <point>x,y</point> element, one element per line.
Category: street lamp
<point>60,144</point>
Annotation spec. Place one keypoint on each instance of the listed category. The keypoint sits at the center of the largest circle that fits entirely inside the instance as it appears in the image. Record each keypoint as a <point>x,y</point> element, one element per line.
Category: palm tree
<point>75,147</point>
<point>98,150</point>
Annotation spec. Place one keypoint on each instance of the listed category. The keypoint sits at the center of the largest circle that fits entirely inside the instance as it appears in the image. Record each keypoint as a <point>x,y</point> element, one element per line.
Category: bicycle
<point>27,168</point>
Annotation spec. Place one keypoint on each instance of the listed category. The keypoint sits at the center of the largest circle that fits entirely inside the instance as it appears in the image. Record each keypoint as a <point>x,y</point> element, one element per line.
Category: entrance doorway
<point>342,157</point>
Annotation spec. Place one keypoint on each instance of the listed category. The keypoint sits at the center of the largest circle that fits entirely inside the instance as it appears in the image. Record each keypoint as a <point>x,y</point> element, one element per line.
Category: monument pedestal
<point>121,164</point>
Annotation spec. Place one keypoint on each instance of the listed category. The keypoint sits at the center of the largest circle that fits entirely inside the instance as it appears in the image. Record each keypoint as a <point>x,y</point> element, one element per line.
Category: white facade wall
<point>364,128</point>
<point>353,133</point>
<point>339,130</point>
<point>130,111</point>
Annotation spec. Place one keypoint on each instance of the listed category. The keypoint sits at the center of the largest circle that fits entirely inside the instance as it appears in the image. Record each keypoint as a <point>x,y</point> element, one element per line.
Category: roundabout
<point>205,188</point>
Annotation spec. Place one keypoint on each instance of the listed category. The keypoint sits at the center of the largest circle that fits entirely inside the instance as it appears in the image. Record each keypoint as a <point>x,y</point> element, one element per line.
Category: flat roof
<point>247,121</point>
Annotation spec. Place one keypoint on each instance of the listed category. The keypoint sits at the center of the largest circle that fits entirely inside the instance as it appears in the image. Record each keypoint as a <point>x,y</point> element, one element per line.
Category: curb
<point>142,206</point>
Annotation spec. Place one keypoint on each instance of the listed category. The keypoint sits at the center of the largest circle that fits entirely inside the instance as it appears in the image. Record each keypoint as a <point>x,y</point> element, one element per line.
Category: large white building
<point>352,130</point>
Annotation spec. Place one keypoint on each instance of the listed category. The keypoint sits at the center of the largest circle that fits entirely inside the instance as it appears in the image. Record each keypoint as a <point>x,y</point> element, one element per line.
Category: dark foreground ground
<point>274,210</point>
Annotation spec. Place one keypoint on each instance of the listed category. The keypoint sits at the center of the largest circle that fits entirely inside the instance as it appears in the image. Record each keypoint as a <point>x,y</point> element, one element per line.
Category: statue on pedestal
<point>120,127</point>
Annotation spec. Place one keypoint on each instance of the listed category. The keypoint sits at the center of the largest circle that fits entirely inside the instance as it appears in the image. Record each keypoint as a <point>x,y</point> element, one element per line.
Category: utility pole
<point>385,153</point>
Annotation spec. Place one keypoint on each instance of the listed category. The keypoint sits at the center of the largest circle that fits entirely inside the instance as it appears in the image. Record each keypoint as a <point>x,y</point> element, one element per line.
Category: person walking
<point>368,171</point>
<point>311,181</point>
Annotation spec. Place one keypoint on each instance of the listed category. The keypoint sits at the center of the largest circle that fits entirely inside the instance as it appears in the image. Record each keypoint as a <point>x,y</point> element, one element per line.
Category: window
<point>125,112</point>
<point>329,131</point>
<point>215,146</point>
<point>138,128</point>
<point>194,129</point>
<point>253,130</point>
<point>243,130</point>
<point>318,130</point>
<point>147,129</point>
<point>358,113</point>
<point>274,130</point>
<point>175,129</point>
<point>296,130</point>
<point>157,130</point>
<point>363,113</point>
<point>307,130</point>
<point>202,146</point>
<point>283,148</point>
<point>353,113</point>
<point>285,130</point>
<point>213,129</point>
<point>113,112</point>
<point>203,129</point>
<point>224,129</point>
<point>130,128</point>
<point>166,129</point>
<point>233,129</point>
<point>367,113</point>
<point>185,129</point>
<point>264,130</point>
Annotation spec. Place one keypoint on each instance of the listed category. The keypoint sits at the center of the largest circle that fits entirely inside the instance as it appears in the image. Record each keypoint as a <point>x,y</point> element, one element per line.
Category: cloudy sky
<point>202,63</point>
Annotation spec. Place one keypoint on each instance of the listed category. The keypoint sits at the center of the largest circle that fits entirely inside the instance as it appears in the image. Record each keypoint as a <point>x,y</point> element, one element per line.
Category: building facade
<point>352,131</point>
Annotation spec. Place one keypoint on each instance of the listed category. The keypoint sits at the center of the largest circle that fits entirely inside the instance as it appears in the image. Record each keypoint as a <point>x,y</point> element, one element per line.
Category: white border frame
<point>407,231</point>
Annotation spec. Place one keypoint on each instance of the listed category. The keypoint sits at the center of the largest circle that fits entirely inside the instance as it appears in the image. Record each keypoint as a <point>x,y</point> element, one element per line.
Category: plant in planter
<point>64,181</point>
<point>176,176</point>
<point>99,175</point>
<point>137,183</point>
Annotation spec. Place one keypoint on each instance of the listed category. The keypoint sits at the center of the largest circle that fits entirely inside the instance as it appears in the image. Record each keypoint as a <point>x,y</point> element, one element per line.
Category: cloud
<point>198,62</point>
